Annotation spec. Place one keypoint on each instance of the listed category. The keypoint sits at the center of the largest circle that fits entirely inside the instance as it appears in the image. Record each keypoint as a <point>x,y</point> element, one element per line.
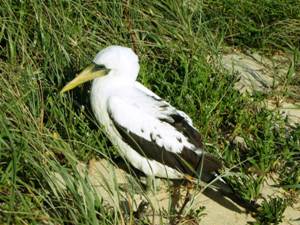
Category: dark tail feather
<point>222,186</point>
<point>207,169</point>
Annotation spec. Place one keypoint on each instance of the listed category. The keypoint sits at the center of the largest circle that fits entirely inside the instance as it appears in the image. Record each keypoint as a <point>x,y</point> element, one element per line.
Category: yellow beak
<point>89,73</point>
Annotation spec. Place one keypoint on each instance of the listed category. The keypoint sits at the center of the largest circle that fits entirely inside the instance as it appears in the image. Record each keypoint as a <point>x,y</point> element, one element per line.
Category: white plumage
<point>152,135</point>
<point>137,109</point>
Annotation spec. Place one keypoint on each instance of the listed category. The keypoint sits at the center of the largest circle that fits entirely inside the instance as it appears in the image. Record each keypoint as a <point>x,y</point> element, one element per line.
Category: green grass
<point>266,25</point>
<point>45,43</point>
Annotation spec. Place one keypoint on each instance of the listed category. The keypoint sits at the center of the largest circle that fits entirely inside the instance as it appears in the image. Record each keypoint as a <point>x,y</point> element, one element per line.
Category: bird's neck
<point>126,75</point>
<point>102,89</point>
<point>110,84</point>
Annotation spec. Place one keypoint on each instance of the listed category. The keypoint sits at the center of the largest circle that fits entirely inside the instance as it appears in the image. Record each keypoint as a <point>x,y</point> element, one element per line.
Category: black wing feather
<point>187,161</point>
<point>181,124</point>
<point>207,162</point>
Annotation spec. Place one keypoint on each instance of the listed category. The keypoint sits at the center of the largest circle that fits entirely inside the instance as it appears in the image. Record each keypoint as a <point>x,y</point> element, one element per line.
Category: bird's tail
<point>221,185</point>
<point>208,171</point>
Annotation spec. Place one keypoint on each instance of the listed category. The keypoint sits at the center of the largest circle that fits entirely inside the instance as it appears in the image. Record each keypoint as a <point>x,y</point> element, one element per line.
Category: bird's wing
<point>159,132</point>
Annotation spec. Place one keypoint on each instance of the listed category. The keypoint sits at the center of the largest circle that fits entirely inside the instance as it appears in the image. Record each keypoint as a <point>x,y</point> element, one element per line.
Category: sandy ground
<point>265,75</point>
<point>106,177</point>
<point>120,190</point>
<point>100,172</point>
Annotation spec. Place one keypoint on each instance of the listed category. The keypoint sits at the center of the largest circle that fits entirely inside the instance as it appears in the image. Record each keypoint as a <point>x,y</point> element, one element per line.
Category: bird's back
<point>159,132</point>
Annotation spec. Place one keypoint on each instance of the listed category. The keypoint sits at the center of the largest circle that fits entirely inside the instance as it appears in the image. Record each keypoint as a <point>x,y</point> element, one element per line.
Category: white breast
<point>102,90</point>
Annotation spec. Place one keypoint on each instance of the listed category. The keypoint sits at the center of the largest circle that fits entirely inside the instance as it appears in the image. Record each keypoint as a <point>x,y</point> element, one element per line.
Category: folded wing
<point>159,132</point>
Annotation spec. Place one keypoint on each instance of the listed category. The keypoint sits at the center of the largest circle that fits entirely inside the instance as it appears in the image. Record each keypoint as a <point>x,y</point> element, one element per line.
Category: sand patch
<point>257,73</point>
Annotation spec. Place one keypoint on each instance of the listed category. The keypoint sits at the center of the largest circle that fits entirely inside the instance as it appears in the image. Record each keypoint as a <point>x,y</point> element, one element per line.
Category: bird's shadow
<point>208,192</point>
<point>80,95</point>
<point>221,200</point>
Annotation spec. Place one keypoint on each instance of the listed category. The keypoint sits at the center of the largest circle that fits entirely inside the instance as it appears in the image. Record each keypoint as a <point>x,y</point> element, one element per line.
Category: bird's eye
<point>98,67</point>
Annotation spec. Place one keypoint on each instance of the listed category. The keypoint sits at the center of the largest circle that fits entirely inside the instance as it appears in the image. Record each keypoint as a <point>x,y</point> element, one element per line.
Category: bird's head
<point>114,61</point>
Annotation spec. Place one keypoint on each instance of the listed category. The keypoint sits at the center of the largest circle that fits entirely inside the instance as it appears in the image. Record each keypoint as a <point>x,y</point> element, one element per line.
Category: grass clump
<point>267,25</point>
<point>271,211</point>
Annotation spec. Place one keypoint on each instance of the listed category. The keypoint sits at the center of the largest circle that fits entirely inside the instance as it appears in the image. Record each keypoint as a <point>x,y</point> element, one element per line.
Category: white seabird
<point>151,134</point>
